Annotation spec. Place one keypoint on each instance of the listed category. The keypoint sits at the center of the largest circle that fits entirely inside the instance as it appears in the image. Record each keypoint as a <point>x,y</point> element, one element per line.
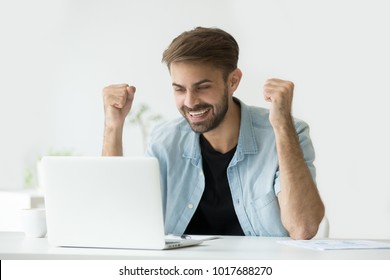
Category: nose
<point>191,99</point>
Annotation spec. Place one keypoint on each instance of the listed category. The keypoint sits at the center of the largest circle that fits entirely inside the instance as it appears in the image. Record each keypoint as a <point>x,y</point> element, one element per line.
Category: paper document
<point>336,244</point>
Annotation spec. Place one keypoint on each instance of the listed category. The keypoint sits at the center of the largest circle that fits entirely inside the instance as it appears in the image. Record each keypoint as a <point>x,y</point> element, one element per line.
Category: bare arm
<point>117,104</point>
<point>301,207</point>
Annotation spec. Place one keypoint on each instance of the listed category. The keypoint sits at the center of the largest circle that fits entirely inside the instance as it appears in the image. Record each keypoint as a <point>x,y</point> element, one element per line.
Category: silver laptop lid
<point>110,202</point>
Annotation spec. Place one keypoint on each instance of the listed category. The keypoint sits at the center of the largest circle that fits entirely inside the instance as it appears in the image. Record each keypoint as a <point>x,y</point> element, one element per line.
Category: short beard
<point>219,112</point>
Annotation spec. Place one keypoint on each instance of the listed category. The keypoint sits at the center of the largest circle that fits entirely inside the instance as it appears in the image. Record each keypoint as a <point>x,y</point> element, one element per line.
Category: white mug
<point>34,222</point>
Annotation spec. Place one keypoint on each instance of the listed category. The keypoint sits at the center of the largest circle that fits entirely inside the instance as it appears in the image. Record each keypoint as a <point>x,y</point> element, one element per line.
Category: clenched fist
<point>117,104</point>
<point>280,94</point>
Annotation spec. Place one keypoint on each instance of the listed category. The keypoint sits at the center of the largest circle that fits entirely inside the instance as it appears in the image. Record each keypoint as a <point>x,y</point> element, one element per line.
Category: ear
<point>234,79</point>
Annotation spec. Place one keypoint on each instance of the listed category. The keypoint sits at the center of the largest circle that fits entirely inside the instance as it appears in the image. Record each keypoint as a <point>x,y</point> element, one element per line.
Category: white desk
<point>14,245</point>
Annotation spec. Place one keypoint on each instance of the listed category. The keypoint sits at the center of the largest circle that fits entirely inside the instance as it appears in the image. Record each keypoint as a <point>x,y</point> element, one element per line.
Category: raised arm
<point>301,207</point>
<point>117,104</point>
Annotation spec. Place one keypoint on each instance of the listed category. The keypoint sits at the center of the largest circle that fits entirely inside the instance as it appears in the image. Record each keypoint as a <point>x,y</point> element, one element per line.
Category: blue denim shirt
<point>253,173</point>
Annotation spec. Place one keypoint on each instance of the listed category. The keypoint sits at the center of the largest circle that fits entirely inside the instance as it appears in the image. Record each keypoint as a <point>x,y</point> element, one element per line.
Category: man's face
<point>201,94</point>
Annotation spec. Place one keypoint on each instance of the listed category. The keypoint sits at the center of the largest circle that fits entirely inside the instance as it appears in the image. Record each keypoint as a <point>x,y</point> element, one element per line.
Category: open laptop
<point>105,202</point>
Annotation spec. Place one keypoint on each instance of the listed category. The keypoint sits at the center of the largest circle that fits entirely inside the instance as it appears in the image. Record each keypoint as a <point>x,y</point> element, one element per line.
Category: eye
<point>179,89</point>
<point>203,87</point>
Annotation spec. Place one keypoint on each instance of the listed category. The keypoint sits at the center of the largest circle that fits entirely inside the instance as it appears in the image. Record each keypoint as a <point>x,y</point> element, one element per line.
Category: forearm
<point>112,141</point>
<point>117,104</point>
<point>301,207</point>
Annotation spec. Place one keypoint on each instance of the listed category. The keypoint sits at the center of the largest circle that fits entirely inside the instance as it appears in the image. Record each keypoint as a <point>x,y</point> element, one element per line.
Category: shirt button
<point>190,205</point>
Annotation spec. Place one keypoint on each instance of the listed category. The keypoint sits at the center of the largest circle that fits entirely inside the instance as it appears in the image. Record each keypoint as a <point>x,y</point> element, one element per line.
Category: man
<point>226,168</point>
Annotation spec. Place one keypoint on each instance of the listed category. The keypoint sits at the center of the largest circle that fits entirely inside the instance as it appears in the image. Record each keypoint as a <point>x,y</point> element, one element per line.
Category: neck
<point>225,136</point>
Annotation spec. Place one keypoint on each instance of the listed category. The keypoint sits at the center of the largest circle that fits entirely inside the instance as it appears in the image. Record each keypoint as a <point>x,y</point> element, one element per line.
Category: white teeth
<point>198,113</point>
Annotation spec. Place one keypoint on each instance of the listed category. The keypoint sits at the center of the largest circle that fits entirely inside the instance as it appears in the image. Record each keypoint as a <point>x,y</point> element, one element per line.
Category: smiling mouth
<point>196,114</point>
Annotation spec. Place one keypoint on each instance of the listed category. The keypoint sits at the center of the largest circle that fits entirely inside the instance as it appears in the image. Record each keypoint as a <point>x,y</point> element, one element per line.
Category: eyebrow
<point>194,84</point>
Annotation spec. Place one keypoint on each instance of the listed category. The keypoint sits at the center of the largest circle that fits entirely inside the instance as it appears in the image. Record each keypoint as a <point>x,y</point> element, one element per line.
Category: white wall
<point>55,57</point>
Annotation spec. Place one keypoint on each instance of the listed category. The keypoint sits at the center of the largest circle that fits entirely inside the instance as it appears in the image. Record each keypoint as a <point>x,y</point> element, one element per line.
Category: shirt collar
<point>246,139</point>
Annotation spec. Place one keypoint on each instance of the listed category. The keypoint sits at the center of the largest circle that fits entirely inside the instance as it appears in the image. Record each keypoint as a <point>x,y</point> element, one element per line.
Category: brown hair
<point>205,45</point>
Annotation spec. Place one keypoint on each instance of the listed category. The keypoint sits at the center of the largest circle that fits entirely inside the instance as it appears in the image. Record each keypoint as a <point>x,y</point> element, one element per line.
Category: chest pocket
<point>265,216</point>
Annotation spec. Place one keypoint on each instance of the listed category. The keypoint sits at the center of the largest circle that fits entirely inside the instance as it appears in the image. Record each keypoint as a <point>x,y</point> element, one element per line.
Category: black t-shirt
<point>215,214</point>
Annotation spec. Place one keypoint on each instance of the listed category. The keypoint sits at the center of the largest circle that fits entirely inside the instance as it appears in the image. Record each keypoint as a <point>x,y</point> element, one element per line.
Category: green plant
<point>144,118</point>
<point>63,152</point>
<point>31,173</point>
